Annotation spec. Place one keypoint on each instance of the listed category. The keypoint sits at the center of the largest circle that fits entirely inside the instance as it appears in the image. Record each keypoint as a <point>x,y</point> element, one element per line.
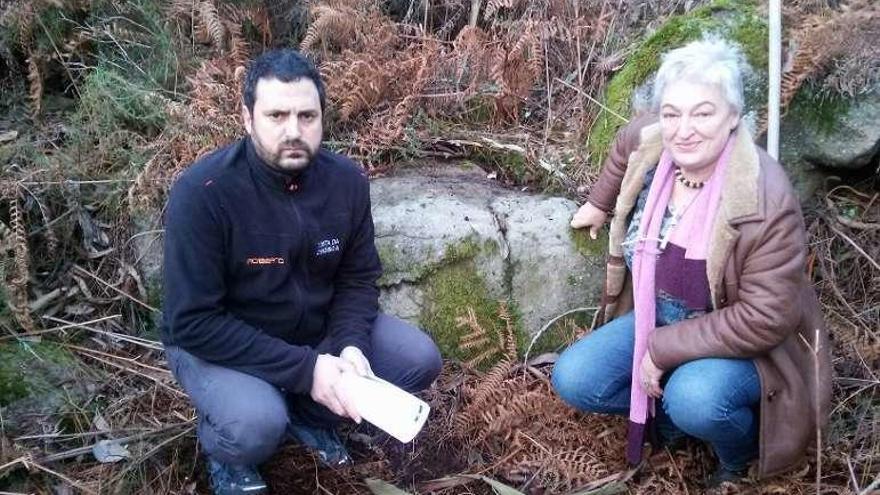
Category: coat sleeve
<point>195,317</point>
<point>355,301</point>
<point>765,311</point>
<point>604,192</point>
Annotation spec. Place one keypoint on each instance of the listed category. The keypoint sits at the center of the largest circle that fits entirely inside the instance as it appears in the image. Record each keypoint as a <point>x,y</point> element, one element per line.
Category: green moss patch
<point>818,109</point>
<point>738,20</point>
<point>448,295</point>
<point>394,264</point>
<point>451,287</point>
<point>31,368</point>
<point>588,247</point>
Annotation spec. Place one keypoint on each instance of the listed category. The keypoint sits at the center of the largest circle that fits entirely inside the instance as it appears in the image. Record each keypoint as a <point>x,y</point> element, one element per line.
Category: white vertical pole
<point>775,77</point>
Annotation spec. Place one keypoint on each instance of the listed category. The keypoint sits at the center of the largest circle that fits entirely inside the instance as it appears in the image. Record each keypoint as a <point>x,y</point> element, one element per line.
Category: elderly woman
<point>711,326</point>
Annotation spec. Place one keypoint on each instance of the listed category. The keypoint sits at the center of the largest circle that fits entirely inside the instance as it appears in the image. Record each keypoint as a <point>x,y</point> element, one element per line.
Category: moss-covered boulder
<point>831,132</point>
<point>739,21</point>
<point>451,240</point>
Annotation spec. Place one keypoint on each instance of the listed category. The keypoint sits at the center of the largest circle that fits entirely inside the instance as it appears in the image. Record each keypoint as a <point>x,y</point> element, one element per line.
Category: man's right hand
<point>327,387</point>
<point>589,216</point>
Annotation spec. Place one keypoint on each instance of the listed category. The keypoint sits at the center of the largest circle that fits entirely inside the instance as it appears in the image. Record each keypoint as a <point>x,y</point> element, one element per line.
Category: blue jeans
<point>713,399</point>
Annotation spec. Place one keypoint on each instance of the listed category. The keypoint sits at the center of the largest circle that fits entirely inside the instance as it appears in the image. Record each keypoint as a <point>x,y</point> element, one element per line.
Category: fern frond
<point>182,8</point>
<point>238,46</point>
<point>493,6</point>
<point>507,337</point>
<point>331,24</point>
<point>481,358</point>
<point>256,16</point>
<point>18,283</point>
<point>35,82</point>
<point>820,40</point>
<point>210,19</point>
<point>18,17</point>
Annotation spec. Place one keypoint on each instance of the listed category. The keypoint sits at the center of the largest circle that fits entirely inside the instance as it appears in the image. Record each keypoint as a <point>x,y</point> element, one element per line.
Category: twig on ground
<point>133,361</point>
<point>60,476</point>
<point>113,288</point>
<point>856,246</point>
<point>597,102</point>
<point>139,437</point>
<point>677,471</point>
<point>67,326</point>
<point>91,355</point>
<point>549,324</point>
<point>149,344</point>
<point>150,453</point>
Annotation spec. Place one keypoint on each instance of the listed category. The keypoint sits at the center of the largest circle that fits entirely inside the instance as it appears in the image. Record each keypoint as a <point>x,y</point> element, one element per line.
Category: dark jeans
<point>243,419</point>
<point>712,399</point>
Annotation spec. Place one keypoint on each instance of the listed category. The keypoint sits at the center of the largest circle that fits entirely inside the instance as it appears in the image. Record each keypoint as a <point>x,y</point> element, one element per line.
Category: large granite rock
<point>452,240</point>
<point>848,139</point>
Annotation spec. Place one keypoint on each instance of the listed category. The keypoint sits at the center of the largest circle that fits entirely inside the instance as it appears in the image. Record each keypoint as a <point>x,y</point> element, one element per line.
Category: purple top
<point>682,285</point>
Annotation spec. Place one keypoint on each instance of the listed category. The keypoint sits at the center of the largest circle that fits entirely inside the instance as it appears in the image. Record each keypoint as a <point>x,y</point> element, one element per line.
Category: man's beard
<point>280,162</point>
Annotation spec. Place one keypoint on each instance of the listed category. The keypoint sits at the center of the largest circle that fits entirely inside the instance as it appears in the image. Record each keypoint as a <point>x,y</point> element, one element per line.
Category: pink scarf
<point>692,233</point>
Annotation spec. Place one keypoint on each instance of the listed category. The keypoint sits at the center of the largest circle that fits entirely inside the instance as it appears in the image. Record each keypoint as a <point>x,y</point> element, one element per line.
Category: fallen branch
<point>549,324</point>
<point>149,344</point>
<point>150,453</point>
<point>113,288</point>
<point>159,382</point>
<point>68,325</point>
<point>597,102</point>
<point>139,437</point>
<point>858,248</point>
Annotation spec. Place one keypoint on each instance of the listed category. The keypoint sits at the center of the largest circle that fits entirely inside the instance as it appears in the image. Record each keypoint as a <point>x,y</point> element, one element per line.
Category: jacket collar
<point>740,198</point>
<point>280,180</point>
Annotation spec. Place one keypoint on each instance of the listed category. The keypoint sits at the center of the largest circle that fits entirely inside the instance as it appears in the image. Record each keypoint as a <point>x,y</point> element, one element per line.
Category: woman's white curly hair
<point>711,60</point>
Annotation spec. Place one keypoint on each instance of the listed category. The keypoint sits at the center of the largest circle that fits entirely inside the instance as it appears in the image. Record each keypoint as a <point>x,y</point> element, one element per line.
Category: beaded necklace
<point>693,184</point>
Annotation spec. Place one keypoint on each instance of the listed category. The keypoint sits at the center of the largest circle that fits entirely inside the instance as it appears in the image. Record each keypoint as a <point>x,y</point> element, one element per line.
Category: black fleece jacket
<point>261,266</point>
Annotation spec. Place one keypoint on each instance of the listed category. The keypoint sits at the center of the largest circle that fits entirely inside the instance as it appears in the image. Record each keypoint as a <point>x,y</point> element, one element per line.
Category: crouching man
<point>270,284</point>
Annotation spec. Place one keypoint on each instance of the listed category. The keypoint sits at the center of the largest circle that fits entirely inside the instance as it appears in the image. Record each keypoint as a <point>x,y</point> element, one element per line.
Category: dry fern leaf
<point>818,41</point>
<point>210,19</point>
<point>182,8</point>
<point>490,383</point>
<point>487,392</point>
<point>494,6</point>
<point>6,241</point>
<point>478,338</point>
<point>336,24</point>
<point>35,82</point>
<point>424,62</point>
<point>503,419</point>
<point>18,17</point>
<point>256,16</point>
<point>474,343</point>
<point>481,358</point>
<point>507,337</point>
<point>18,282</point>
<point>239,50</point>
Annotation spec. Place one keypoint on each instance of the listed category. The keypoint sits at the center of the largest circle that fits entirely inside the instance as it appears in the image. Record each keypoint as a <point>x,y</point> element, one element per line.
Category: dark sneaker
<point>723,475</point>
<point>227,479</point>
<point>323,441</point>
<point>665,436</point>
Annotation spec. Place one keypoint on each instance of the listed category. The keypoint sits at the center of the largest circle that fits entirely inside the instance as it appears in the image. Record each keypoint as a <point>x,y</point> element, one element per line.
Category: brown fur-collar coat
<point>764,305</point>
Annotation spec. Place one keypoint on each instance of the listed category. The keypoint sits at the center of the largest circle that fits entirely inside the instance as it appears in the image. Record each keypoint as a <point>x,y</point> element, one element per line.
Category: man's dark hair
<point>283,64</point>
